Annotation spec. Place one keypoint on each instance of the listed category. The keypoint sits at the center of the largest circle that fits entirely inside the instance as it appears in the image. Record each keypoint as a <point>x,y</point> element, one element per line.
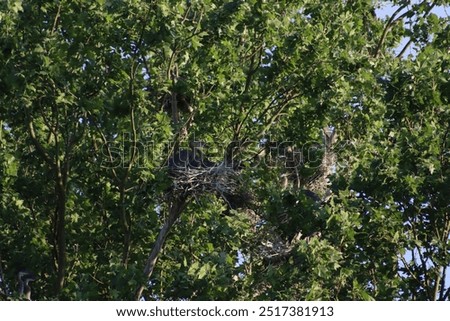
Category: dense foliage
<point>94,95</point>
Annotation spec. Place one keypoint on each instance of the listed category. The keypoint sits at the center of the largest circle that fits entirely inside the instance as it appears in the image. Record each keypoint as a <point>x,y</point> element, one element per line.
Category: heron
<point>25,277</point>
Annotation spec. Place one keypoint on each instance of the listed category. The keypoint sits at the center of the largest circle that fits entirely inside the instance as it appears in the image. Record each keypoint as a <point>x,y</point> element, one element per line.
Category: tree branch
<point>176,208</point>
<point>55,21</point>
<point>388,26</point>
<point>38,145</point>
<point>406,265</point>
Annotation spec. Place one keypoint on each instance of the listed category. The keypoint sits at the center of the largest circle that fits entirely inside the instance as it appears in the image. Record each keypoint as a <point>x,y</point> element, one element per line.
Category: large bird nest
<point>221,180</point>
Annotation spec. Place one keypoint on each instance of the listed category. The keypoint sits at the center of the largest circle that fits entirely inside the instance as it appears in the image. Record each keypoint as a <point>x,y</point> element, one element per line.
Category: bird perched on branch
<point>24,277</point>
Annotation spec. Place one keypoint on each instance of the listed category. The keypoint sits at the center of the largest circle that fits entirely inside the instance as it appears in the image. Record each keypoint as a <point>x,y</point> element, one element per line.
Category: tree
<point>330,145</point>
